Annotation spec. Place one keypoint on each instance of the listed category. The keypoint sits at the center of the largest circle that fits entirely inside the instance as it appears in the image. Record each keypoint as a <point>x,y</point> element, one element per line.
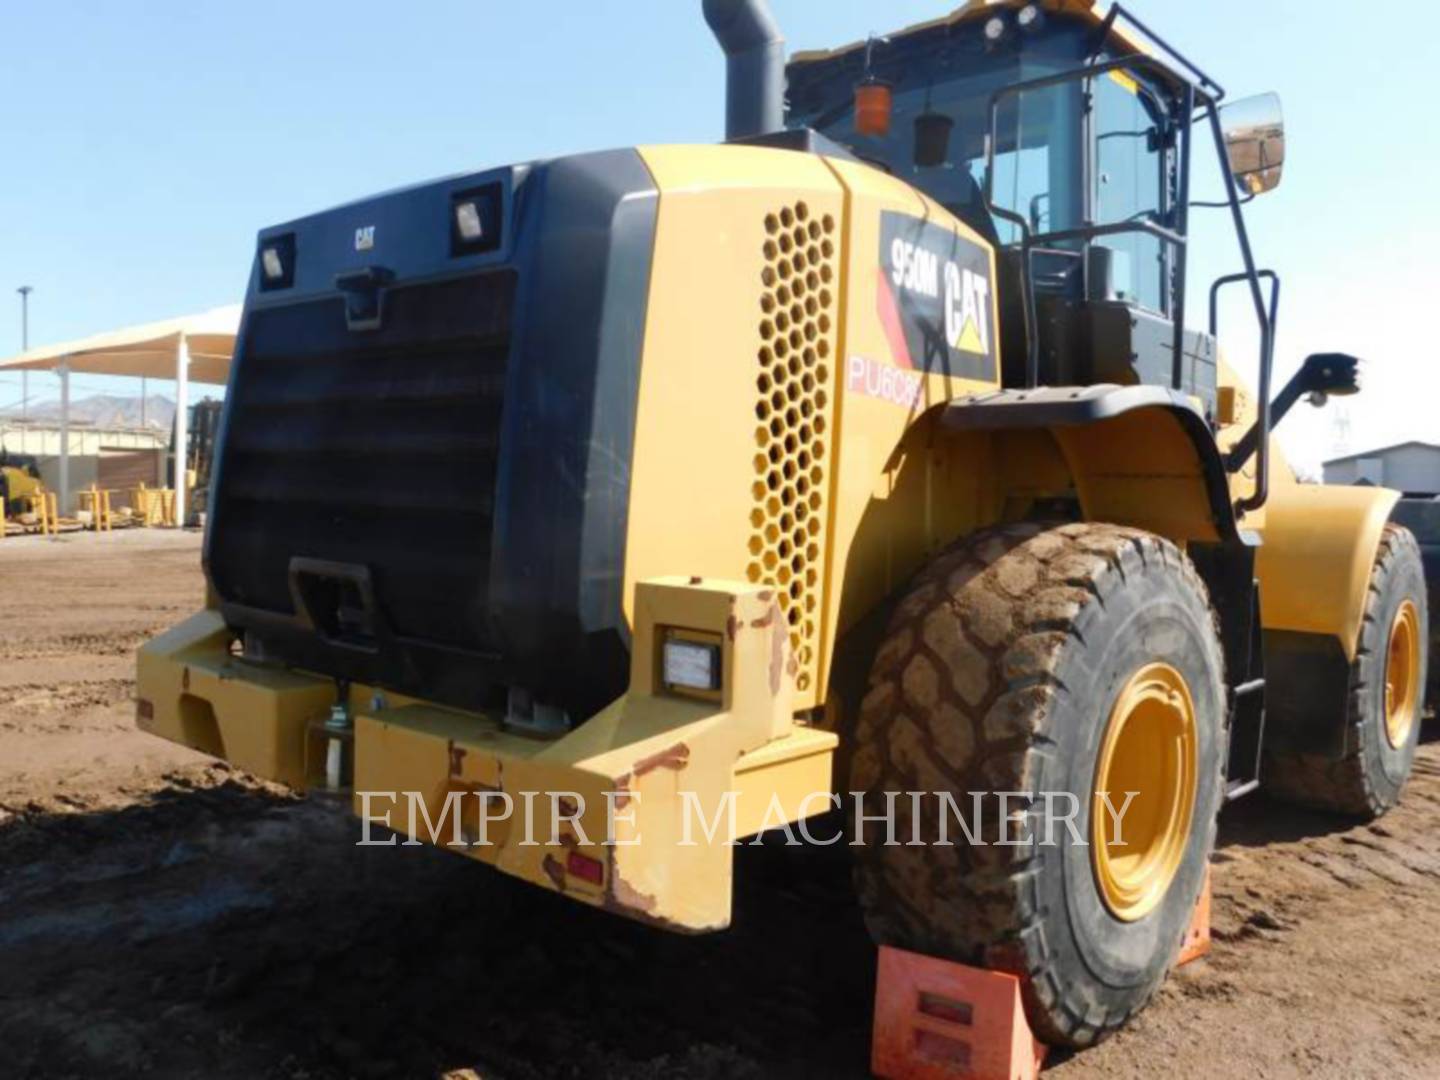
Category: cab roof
<point>975,9</point>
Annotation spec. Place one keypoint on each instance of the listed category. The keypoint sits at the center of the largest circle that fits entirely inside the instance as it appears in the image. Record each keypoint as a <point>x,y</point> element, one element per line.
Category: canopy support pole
<point>182,426</point>
<point>64,371</point>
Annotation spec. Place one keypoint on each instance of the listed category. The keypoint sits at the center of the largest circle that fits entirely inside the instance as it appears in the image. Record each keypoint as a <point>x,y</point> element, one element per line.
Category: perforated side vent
<point>795,384</point>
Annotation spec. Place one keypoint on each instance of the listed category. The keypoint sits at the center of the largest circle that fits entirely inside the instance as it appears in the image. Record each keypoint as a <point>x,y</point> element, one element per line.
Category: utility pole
<point>25,291</point>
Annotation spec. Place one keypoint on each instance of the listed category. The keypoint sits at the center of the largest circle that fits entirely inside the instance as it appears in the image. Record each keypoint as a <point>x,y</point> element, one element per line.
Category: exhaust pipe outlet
<point>755,56</point>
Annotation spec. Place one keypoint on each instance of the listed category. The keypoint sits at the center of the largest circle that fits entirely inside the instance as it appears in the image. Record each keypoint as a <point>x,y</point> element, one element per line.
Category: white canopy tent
<point>193,348</point>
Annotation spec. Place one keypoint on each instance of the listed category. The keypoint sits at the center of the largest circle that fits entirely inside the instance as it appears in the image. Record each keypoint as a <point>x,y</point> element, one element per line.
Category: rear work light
<point>997,29</point>
<point>277,262</point>
<point>469,222</point>
<point>690,665</point>
<point>475,220</point>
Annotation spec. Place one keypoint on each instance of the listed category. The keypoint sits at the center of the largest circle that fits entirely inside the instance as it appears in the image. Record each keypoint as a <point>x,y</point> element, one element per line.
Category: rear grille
<point>794,409</point>
<point>372,449</point>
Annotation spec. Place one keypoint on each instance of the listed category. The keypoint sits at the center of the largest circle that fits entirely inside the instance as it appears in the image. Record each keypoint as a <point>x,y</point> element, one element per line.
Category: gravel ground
<point>162,915</point>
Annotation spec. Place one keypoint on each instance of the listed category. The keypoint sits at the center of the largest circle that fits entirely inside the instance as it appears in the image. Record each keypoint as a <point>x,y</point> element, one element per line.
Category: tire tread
<point>1017,593</point>
<point>1346,786</point>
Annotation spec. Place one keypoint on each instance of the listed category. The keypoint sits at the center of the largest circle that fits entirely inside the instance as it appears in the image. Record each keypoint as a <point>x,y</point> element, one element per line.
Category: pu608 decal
<point>885,382</point>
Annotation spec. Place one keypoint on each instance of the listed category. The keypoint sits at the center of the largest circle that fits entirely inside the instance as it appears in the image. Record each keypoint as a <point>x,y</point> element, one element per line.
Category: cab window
<point>1129,184</point>
<point>1037,158</point>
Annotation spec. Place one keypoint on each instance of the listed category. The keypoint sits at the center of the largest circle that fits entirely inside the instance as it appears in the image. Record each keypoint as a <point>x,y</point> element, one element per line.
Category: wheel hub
<point>1150,748</point>
<point>1402,675</point>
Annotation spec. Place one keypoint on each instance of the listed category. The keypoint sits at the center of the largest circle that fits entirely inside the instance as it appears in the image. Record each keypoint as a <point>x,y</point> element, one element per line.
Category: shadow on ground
<point>231,931</point>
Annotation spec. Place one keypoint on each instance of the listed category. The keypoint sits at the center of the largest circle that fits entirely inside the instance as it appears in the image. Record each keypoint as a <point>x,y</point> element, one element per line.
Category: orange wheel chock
<point>938,1020</point>
<point>1196,942</point>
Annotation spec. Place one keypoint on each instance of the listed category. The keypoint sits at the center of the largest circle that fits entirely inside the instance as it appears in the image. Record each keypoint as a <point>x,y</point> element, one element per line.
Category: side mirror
<point>1321,376</point>
<point>1327,375</point>
<point>1255,142</point>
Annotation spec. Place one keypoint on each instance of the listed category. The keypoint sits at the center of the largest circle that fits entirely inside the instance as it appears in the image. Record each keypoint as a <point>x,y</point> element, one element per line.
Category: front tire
<point>1018,662</point>
<point>1383,707</point>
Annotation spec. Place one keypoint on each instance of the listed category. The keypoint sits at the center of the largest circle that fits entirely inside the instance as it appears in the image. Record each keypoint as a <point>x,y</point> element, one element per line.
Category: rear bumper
<point>634,811</point>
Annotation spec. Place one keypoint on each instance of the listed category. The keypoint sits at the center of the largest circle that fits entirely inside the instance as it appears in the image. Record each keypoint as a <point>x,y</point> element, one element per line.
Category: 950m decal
<point>935,299</point>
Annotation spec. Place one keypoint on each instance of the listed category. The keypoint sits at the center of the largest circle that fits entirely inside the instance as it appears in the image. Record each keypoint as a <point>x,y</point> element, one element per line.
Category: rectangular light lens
<point>277,262</point>
<point>469,222</point>
<point>477,219</point>
<point>691,665</point>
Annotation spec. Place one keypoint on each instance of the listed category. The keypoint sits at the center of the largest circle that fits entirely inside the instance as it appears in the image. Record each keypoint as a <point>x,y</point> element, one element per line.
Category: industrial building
<point>113,458</point>
<point>189,349</point>
<point>1411,467</point>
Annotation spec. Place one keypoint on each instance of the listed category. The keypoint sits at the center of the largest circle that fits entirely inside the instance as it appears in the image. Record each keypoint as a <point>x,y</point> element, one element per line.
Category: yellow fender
<point>1320,546</point>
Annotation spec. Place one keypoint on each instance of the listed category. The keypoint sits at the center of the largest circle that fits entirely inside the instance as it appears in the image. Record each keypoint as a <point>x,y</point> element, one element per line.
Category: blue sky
<point>145,143</point>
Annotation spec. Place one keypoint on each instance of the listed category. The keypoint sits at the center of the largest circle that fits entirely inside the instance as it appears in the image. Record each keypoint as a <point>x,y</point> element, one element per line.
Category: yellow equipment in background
<point>19,480</point>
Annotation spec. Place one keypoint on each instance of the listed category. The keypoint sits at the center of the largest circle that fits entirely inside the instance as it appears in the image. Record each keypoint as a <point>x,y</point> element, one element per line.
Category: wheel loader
<point>876,450</point>
<point>19,479</point>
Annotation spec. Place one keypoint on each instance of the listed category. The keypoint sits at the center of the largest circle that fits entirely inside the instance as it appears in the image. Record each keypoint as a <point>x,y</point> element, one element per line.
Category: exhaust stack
<point>755,54</point>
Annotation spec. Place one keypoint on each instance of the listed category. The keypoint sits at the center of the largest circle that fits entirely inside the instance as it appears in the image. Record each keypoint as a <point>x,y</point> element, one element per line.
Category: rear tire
<point>1003,671</point>
<point>1380,738</point>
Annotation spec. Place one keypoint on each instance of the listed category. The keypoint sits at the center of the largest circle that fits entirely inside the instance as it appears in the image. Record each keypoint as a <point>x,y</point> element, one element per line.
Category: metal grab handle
<point>1261,495</point>
<point>1245,448</point>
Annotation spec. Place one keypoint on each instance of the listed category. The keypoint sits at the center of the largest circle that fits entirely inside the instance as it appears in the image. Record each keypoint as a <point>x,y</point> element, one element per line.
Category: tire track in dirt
<point>73,646</point>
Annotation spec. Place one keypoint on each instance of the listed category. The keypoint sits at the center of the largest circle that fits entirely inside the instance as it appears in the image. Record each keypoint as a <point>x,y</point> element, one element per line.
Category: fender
<point>1319,547</point>
<point>1177,487</point>
<point>1314,570</point>
<point>1319,543</point>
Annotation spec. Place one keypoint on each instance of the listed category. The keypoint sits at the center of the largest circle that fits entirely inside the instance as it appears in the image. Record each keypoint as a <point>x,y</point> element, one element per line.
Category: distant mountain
<point>103,411</point>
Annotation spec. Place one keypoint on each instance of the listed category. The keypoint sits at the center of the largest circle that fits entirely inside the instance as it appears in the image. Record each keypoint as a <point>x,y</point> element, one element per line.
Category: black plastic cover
<point>434,498</point>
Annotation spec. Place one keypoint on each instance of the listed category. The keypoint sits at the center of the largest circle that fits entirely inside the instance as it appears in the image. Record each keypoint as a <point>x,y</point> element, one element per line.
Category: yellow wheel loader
<point>672,492</point>
<point>19,480</point>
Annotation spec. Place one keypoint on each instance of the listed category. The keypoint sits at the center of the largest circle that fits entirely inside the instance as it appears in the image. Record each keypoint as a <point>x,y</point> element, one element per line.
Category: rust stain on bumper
<point>457,759</point>
<point>777,653</point>
<point>676,757</point>
<point>554,871</point>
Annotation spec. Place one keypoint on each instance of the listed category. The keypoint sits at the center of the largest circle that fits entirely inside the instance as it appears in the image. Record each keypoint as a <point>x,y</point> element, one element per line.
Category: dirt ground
<point>161,915</point>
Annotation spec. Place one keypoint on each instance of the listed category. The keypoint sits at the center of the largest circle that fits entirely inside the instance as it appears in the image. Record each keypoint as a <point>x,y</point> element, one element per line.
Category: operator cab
<point>1060,142</point>
<point>942,81</point>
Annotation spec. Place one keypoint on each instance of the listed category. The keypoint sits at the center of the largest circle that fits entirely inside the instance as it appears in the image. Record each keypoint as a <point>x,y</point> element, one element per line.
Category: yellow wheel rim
<point>1402,675</point>
<point>1150,748</point>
